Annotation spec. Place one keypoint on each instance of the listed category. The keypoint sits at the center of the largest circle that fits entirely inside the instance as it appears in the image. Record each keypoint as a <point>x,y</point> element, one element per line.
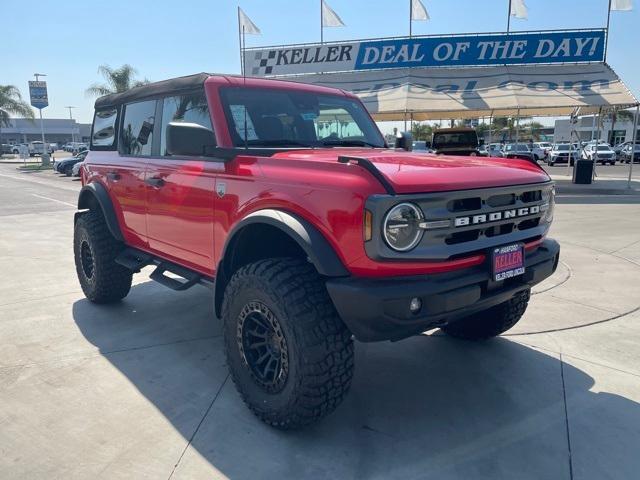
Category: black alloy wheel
<point>263,346</point>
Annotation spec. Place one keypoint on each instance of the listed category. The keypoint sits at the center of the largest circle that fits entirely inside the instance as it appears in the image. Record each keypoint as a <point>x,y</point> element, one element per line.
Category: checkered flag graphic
<point>266,61</point>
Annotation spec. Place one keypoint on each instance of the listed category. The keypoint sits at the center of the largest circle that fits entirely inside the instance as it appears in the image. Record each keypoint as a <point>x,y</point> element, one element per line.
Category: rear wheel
<point>492,322</point>
<point>290,355</point>
<point>101,278</point>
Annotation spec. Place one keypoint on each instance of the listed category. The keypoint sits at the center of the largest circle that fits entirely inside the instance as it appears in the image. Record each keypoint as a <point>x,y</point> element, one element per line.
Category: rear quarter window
<point>103,134</point>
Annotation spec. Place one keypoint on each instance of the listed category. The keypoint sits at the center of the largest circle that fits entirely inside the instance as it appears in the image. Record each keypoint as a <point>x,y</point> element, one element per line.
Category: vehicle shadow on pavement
<point>427,407</point>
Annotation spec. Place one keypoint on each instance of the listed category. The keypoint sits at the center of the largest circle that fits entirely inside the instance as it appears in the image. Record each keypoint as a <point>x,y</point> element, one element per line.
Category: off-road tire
<point>491,322</point>
<point>318,344</point>
<point>108,281</point>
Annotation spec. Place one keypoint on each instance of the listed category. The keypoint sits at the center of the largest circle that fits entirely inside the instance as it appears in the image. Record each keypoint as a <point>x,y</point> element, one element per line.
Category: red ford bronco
<point>284,199</point>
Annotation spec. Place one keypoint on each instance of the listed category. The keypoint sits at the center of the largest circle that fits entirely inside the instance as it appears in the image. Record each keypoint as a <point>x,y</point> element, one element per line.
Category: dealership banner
<point>523,48</point>
<point>38,94</point>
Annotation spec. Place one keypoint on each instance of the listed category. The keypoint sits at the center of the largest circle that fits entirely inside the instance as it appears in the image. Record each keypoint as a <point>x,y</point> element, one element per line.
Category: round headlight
<point>401,228</point>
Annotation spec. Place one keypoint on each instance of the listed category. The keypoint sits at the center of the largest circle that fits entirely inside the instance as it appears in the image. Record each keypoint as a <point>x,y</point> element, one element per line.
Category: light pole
<point>71,118</point>
<point>45,152</point>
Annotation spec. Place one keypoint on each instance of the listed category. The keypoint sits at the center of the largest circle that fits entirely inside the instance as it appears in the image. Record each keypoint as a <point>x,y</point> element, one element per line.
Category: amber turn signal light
<point>366,230</point>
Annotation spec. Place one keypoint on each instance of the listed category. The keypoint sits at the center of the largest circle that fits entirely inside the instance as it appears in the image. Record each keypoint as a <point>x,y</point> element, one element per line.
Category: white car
<point>540,150</point>
<point>605,153</point>
<point>559,153</point>
<point>76,169</point>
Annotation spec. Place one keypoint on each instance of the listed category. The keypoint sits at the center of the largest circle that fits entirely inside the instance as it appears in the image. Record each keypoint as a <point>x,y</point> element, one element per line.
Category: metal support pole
<point>410,16</point>
<point>509,17</point>
<point>490,123</point>
<point>71,119</point>
<point>321,24</point>
<point>633,144</point>
<point>517,129</point>
<point>606,38</point>
<point>595,160</point>
<point>240,45</point>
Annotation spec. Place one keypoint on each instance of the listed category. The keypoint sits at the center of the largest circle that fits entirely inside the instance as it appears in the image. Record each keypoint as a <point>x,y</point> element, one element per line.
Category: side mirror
<point>189,139</point>
<point>405,141</point>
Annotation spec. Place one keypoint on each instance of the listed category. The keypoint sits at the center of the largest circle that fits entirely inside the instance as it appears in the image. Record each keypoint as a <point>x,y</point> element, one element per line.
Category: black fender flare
<point>318,250</point>
<point>95,193</point>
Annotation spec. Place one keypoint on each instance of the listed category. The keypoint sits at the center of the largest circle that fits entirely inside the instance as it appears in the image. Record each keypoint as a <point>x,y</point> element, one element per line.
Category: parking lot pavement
<point>140,389</point>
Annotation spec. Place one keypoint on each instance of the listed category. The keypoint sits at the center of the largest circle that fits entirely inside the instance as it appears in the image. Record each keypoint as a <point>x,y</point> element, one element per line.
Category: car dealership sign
<point>443,51</point>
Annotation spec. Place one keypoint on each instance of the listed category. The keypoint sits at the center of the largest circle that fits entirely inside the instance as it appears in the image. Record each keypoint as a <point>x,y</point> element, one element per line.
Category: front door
<point>181,192</point>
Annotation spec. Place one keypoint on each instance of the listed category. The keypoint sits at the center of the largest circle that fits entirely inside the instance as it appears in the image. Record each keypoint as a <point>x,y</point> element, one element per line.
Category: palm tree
<point>118,80</point>
<point>11,103</point>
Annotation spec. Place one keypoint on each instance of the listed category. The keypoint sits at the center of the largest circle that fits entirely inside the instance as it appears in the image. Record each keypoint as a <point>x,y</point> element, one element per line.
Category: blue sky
<point>164,39</point>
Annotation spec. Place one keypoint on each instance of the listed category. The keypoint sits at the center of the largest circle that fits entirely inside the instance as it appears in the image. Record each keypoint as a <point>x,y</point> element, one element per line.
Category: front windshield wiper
<point>281,142</point>
<point>349,143</point>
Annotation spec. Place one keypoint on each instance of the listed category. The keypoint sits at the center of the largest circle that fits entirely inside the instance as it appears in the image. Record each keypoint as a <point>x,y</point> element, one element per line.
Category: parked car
<point>560,153</point>
<point>66,165</point>
<point>5,148</point>
<point>75,171</point>
<point>605,153</point>
<point>519,150</point>
<point>421,146</point>
<point>619,147</point>
<point>455,141</point>
<point>625,155</point>
<point>540,150</point>
<point>495,150</point>
<point>322,239</point>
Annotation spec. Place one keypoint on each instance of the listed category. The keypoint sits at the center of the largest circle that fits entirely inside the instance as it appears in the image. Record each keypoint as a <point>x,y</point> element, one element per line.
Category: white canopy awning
<point>443,93</point>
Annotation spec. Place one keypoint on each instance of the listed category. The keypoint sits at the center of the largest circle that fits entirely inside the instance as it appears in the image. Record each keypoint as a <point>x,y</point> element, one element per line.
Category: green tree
<point>11,103</point>
<point>533,129</point>
<point>421,131</point>
<point>117,80</point>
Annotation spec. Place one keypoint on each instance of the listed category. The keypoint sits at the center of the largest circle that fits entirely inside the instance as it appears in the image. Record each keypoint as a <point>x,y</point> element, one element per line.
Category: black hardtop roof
<point>189,82</point>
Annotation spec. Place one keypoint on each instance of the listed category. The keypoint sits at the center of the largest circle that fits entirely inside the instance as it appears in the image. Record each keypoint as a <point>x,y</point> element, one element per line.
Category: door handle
<point>113,176</point>
<point>154,182</point>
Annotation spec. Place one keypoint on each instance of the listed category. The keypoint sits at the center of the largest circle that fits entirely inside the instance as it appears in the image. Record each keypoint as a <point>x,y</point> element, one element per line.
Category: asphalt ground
<point>141,390</point>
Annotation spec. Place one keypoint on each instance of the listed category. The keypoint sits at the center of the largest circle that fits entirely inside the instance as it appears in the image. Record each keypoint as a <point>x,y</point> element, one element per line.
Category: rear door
<point>126,179</point>
<point>181,190</point>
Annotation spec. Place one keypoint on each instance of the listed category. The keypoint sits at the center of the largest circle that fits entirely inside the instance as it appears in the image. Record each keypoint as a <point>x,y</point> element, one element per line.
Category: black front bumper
<point>378,309</point>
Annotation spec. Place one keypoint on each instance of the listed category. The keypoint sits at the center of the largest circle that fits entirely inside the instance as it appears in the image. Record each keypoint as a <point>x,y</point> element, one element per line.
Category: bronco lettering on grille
<point>497,216</point>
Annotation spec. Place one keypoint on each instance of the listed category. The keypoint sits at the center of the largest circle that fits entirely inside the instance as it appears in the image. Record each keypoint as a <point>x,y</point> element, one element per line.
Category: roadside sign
<point>38,94</point>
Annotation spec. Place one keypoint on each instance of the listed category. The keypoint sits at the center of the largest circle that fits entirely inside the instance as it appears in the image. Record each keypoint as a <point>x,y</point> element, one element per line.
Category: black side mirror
<point>189,139</point>
<point>404,141</point>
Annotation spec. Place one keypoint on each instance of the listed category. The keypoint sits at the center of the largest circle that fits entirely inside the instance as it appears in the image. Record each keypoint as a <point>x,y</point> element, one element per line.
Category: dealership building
<point>587,129</point>
<point>56,130</point>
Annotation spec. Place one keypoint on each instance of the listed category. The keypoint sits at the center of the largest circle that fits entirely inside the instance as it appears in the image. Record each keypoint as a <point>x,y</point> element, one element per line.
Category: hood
<point>409,172</point>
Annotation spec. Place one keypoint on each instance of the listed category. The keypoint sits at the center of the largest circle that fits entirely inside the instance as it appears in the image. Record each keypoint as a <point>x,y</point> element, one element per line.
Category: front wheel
<point>101,278</point>
<point>491,322</point>
<point>289,353</point>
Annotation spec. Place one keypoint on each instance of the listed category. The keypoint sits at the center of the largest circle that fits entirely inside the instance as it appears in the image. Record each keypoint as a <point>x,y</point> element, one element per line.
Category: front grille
<point>478,220</point>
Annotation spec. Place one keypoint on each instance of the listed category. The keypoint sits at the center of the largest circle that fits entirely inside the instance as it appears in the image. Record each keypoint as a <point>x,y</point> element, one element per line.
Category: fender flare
<point>96,192</point>
<point>318,250</point>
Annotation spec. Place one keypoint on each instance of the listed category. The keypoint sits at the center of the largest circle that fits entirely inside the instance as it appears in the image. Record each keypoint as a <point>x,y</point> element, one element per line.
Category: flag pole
<point>410,17</point>
<point>509,17</point>
<point>321,24</point>
<point>606,39</point>
<point>240,44</point>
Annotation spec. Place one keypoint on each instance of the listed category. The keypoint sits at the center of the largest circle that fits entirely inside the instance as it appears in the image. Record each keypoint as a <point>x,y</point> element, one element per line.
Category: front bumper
<point>378,309</point>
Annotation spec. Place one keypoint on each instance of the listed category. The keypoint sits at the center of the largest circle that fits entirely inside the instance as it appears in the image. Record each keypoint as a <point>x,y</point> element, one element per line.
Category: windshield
<point>290,118</point>
<point>603,148</point>
<point>521,147</point>
<point>562,148</point>
<point>455,139</point>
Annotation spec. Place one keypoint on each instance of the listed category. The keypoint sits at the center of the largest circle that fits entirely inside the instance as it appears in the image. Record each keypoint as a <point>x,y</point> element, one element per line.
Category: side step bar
<point>135,260</point>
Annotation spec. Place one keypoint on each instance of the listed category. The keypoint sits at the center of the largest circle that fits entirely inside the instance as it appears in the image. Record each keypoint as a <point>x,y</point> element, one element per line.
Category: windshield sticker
<point>238,113</point>
<point>309,115</point>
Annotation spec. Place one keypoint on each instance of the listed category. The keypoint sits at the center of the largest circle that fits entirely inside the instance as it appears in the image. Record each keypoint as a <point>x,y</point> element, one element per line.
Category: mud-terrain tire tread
<point>112,281</point>
<point>491,322</point>
<point>322,344</point>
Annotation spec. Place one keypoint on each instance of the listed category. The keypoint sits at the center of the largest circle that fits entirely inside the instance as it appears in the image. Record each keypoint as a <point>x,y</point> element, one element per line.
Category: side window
<point>189,108</point>
<point>104,128</point>
<point>137,128</point>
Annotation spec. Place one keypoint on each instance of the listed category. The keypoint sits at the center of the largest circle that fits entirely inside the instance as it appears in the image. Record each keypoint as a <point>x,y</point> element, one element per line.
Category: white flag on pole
<point>418,11</point>
<point>329,17</point>
<point>246,25</point>
<point>519,9</point>
<point>622,5</point>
